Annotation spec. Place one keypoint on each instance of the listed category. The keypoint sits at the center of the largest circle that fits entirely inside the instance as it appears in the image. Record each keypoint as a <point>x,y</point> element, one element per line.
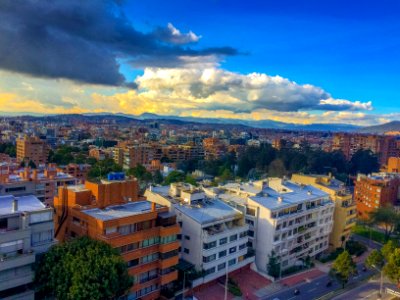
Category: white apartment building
<point>26,229</point>
<point>214,234</point>
<point>292,220</point>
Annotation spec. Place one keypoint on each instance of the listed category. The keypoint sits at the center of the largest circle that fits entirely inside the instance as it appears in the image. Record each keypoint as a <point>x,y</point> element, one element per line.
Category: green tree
<point>273,266</point>
<point>190,179</point>
<point>101,168</point>
<point>375,259</point>
<point>342,268</point>
<point>31,164</point>
<point>364,161</point>
<point>392,267</point>
<point>174,176</point>
<point>386,217</point>
<point>82,269</point>
<point>157,177</point>
<point>388,249</point>
<point>276,168</point>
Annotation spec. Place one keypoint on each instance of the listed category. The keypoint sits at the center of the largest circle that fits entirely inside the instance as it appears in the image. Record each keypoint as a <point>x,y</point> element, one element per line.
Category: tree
<point>82,269</point>
<point>101,168</point>
<point>174,176</point>
<point>189,179</point>
<point>157,177</point>
<point>386,217</point>
<point>276,168</point>
<point>31,164</point>
<point>273,266</point>
<point>343,267</point>
<point>392,267</point>
<point>375,259</point>
<point>364,161</point>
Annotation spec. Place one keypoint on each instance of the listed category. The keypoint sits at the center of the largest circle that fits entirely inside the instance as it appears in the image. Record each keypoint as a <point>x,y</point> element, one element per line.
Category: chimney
<point>153,206</point>
<point>14,205</point>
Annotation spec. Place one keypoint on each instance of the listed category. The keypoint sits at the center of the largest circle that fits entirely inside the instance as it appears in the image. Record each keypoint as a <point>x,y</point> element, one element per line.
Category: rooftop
<point>120,211</point>
<point>278,193</point>
<point>25,204</point>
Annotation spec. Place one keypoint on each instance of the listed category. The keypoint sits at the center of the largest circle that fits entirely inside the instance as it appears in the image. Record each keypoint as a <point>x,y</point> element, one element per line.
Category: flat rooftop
<point>25,204</point>
<point>207,211</point>
<point>120,211</point>
<point>280,194</point>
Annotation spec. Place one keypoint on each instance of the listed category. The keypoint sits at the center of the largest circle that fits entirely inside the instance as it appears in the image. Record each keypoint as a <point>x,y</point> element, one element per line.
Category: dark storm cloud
<point>81,41</point>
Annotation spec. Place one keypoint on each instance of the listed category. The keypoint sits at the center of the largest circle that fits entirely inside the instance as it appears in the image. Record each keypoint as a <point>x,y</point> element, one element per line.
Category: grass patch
<point>369,233</point>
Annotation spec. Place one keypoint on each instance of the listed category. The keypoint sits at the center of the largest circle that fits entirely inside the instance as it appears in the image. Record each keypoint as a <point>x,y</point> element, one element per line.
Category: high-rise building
<point>393,165</point>
<point>291,220</point>
<point>345,214</point>
<point>32,149</point>
<point>375,191</point>
<point>26,229</point>
<point>213,234</point>
<point>144,233</point>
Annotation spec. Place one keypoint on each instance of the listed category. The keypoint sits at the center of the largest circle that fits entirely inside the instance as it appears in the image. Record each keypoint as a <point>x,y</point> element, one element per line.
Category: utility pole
<point>226,282</point>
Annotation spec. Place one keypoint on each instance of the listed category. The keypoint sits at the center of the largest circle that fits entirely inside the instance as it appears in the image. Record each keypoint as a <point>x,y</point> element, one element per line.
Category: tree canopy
<point>386,217</point>
<point>82,269</point>
<point>101,168</point>
<point>343,267</point>
<point>8,148</point>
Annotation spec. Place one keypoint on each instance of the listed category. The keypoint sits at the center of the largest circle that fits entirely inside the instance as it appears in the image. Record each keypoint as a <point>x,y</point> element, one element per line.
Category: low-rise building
<point>213,234</point>
<point>26,229</point>
<point>144,233</point>
<point>345,214</point>
<point>294,221</point>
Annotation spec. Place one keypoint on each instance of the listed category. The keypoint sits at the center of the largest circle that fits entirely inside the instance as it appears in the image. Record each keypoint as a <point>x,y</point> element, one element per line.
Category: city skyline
<point>300,63</point>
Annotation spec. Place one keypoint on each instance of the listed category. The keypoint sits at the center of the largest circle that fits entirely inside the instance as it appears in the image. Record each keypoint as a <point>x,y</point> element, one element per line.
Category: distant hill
<point>150,117</point>
<point>381,129</point>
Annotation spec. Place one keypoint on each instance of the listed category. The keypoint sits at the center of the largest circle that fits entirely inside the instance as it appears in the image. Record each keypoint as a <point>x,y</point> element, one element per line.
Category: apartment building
<point>32,149</point>
<point>374,191</point>
<point>213,234</point>
<point>26,229</point>
<point>383,146</point>
<point>43,183</point>
<point>79,171</point>
<point>143,232</point>
<point>345,214</point>
<point>393,165</point>
<point>294,221</point>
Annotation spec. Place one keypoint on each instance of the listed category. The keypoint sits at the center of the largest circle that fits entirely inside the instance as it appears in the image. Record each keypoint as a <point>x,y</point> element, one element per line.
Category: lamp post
<point>280,262</point>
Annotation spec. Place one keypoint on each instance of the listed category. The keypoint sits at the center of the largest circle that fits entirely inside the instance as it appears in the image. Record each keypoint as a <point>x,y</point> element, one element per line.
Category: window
<point>129,247</point>
<point>149,258</point>
<point>168,239</point>
<point>169,254</point>
<point>250,222</point>
<point>146,290</point>
<point>42,237</point>
<point>222,253</point>
<point>210,245</point>
<point>15,189</point>
<point>210,271</point>
<point>45,217</point>
<point>187,237</point>
<point>147,276</point>
<point>151,242</point>
<point>233,238</point>
<point>231,262</point>
<point>250,233</point>
<point>133,263</point>
<point>186,250</point>
<point>207,259</point>
<point>242,246</point>
<point>221,266</point>
<point>223,241</point>
<point>251,211</point>
<point>243,234</point>
<point>232,250</point>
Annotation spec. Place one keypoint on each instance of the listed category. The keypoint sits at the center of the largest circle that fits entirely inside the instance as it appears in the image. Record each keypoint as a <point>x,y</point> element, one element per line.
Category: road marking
<point>366,297</point>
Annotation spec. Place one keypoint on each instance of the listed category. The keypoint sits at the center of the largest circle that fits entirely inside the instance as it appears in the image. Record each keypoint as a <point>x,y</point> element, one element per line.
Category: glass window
<point>210,245</point>
<point>232,262</point>
<point>233,238</point>
<point>221,266</point>
<point>232,250</point>
<point>223,241</point>
<point>222,253</point>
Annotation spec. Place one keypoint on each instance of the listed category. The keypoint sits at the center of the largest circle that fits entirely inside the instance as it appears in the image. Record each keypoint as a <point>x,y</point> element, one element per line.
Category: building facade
<point>344,218</point>
<point>292,221</point>
<point>144,233</point>
<point>375,191</point>
<point>213,234</point>
<point>26,230</point>
<point>32,149</point>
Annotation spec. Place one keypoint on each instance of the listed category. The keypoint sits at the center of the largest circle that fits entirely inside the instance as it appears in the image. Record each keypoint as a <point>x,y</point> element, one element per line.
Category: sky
<point>293,61</point>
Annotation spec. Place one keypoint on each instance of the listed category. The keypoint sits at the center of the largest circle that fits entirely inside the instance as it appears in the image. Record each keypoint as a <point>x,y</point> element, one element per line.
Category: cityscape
<point>199,151</point>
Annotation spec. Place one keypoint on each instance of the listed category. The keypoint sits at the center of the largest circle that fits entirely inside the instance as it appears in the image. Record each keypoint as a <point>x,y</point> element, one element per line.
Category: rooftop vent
<point>280,199</point>
<point>309,192</point>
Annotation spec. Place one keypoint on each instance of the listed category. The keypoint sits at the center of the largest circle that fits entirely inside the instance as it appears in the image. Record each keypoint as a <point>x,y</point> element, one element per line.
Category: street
<point>369,290</point>
<point>317,287</point>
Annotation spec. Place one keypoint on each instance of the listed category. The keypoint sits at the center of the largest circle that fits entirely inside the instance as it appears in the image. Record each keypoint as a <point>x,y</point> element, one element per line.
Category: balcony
<point>169,247</point>
<point>167,278</point>
<point>16,281</point>
<point>18,260</point>
<point>169,262</point>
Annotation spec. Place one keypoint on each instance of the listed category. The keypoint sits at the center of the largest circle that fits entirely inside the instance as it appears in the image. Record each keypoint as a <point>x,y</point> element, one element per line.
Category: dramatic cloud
<point>213,88</point>
<point>173,35</point>
<point>83,41</point>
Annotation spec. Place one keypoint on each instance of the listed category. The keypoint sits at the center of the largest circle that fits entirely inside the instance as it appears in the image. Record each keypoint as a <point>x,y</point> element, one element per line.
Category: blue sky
<point>293,61</point>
